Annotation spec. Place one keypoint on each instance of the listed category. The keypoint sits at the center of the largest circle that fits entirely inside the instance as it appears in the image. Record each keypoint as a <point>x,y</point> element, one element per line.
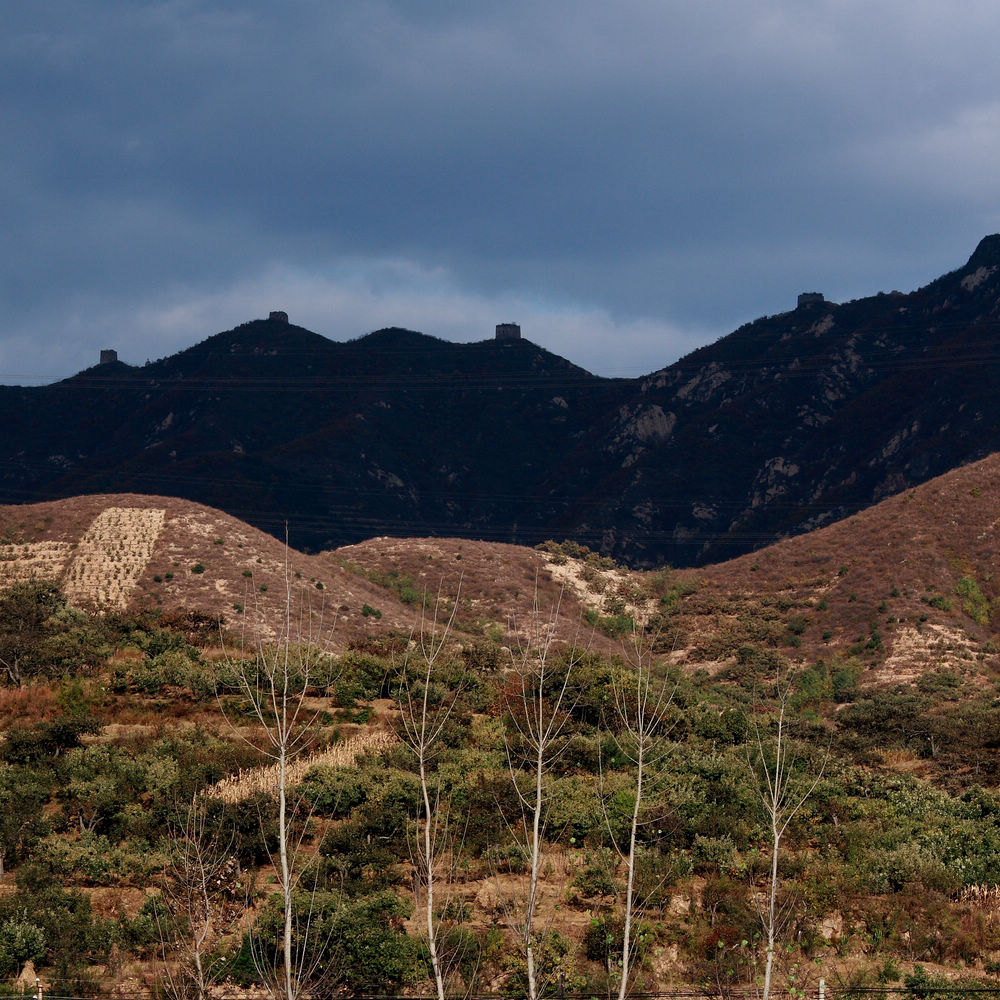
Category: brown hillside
<point>918,569</point>
<point>149,552</point>
<point>905,586</point>
<point>915,573</point>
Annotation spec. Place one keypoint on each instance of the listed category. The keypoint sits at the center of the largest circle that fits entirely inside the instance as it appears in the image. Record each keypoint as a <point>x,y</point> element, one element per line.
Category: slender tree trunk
<point>197,890</point>
<point>782,796</point>
<point>772,914</point>
<point>422,728</point>
<point>201,934</point>
<point>536,853</point>
<point>534,724</point>
<point>642,709</point>
<point>275,687</point>
<point>630,876</point>
<point>286,875</point>
<point>429,861</point>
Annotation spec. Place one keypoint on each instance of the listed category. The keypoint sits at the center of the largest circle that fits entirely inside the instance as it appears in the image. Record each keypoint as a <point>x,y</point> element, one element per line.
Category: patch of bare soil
<point>607,591</point>
<point>915,651</point>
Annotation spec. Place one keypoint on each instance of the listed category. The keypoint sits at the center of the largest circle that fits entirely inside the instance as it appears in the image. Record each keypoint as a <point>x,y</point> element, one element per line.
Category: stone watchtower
<point>108,357</point>
<point>811,299</point>
<point>278,316</point>
<point>508,331</point>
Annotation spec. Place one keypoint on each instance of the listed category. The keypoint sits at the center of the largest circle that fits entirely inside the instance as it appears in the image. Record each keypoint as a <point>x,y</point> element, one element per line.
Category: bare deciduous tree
<point>274,682</point>
<point>537,712</point>
<point>205,898</point>
<point>424,717</point>
<point>783,788</point>
<point>642,705</point>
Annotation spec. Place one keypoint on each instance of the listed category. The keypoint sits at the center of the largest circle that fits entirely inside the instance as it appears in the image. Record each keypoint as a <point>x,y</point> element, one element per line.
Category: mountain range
<point>789,423</point>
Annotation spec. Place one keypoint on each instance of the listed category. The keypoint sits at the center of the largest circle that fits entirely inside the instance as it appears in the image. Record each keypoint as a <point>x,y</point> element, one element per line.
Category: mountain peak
<point>987,254</point>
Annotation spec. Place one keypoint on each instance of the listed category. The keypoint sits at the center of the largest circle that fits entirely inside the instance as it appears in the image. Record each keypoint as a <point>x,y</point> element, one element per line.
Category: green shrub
<point>363,677</point>
<point>357,946</point>
<point>974,602</point>
<point>844,680</point>
<point>938,601</point>
<point>374,952</point>
<point>71,936</point>
<point>597,876</point>
<point>919,984</point>
<point>757,661</point>
<point>41,636</point>
<point>714,854</point>
<point>94,860</point>
<point>21,941</point>
<point>798,624</point>
<point>335,791</point>
<point>27,745</point>
<point>906,867</point>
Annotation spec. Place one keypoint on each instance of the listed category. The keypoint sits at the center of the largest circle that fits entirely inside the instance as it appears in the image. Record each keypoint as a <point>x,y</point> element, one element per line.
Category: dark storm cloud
<point>627,180</point>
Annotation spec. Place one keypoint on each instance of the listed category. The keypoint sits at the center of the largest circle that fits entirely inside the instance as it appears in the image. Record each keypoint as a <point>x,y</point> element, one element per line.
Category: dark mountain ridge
<point>788,423</point>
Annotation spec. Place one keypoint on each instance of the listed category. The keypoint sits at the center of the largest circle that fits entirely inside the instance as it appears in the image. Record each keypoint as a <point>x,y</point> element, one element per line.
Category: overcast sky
<point>626,180</point>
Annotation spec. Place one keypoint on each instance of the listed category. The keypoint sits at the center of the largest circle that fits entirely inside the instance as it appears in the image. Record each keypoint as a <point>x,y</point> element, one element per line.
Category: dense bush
<point>69,933</point>
<point>41,636</point>
<point>46,740</point>
<point>335,791</point>
<point>357,945</point>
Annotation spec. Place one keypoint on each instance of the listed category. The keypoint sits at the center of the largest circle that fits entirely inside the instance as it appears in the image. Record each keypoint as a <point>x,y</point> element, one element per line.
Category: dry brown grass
<point>264,780</point>
<point>879,567</point>
<point>29,705</point>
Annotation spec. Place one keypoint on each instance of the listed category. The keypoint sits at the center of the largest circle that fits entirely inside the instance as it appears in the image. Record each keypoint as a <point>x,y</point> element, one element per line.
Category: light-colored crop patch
<point>112,555</point>
<point>265,779</point>
<point>32,561</point>
<point>600,589</point>
<point>932,646</point>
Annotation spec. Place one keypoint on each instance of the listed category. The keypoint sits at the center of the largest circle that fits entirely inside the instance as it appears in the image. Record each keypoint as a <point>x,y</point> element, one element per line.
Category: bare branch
<point>423,724</point>
<point>538,709</point>
<point>642,704</point>
<point>275,684</point>
<point>772,763</point>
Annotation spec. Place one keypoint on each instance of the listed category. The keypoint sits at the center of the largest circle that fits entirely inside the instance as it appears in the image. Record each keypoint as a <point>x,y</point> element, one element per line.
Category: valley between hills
<point>136,632</point>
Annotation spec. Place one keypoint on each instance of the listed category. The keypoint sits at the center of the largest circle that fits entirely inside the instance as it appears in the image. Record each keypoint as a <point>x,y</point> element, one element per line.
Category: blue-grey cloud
<point>649,174</point>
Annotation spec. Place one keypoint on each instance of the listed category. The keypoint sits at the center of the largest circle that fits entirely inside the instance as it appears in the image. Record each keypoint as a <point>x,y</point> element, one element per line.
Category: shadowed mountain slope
<point>789,423</point>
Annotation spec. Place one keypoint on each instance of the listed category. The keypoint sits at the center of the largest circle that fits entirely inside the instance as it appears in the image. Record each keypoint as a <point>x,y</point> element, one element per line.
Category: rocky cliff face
<point>790,422</point>
<point>799,419</point>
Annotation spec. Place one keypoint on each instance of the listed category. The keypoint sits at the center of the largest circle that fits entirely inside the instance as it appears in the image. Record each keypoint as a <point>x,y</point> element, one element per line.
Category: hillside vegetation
<point>131,738</point>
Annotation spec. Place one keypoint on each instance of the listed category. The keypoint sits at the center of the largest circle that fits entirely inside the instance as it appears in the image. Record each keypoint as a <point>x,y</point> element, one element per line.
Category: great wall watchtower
<point>508,331</point>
